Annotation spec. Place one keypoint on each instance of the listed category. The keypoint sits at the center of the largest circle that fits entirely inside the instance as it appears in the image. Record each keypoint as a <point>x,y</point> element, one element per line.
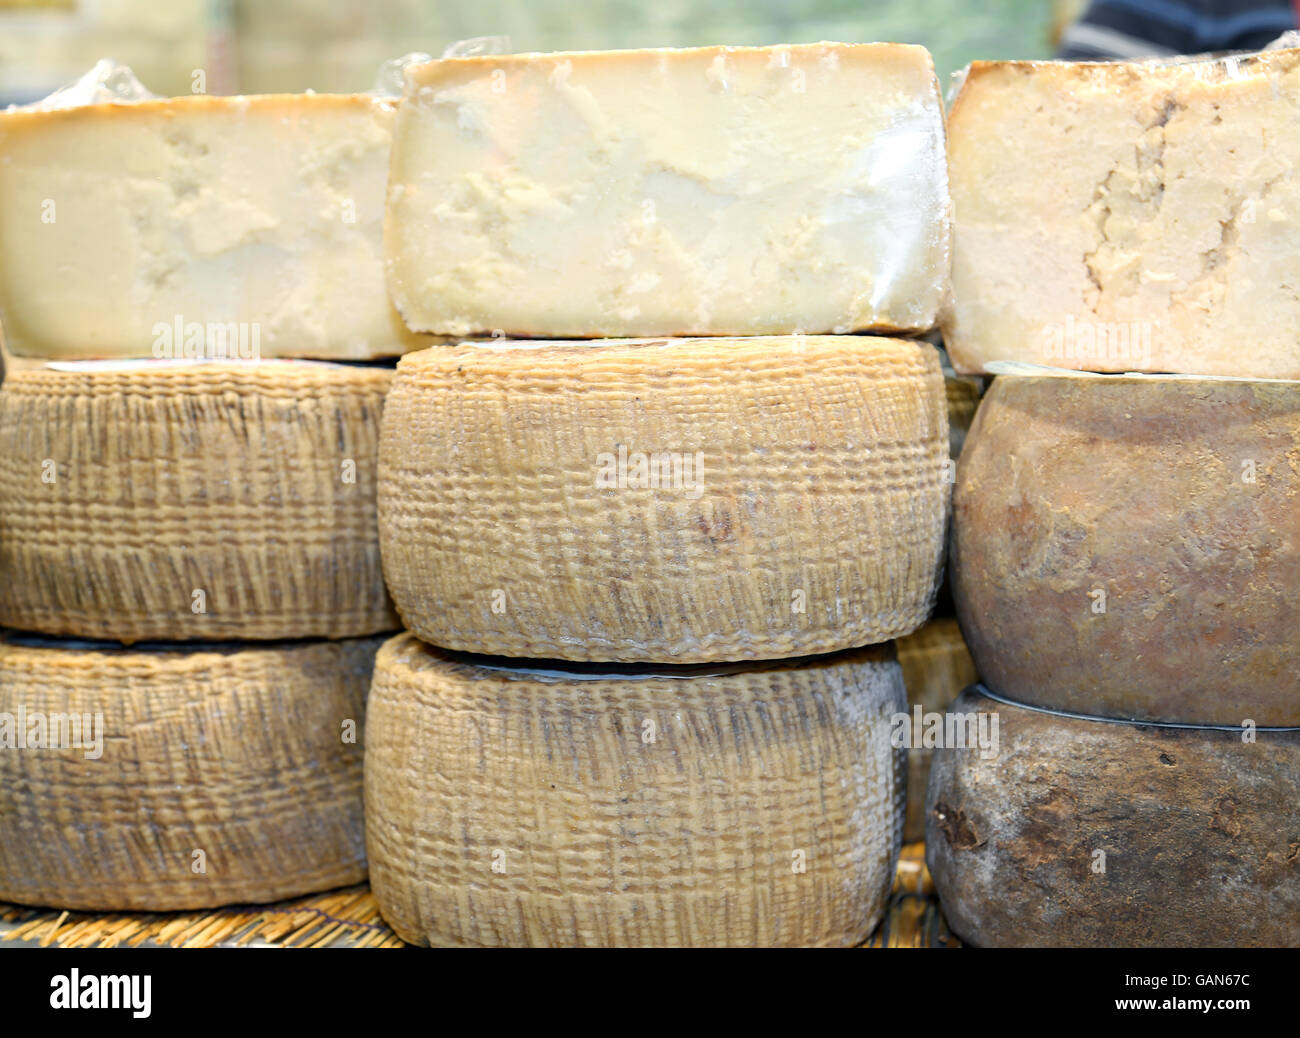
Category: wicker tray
<point>350,918</point>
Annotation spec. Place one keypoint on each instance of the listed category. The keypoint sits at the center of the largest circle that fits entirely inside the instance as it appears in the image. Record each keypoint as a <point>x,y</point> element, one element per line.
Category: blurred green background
<point>258,46</point>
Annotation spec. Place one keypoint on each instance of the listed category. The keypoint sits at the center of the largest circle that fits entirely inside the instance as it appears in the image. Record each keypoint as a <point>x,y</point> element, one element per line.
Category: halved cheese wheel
<point>936,667</point>
<point>198,226</point>
<point>671,500</point>
<point>1130,546</point>
<point>173,777</point>
<point>192,501</point>
<point>1084,833</point>
<point>583,805</point>
<point>1127,216</point>
<point>705,191</point>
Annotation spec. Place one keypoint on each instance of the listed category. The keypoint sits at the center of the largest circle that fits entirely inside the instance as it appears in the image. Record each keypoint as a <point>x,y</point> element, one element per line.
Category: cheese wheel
<point>584,806</point>
<point>175,777</point>
<point>1128,216</point>
<point>1131,547</point>
<point>218,227</point>
<point>675,500</point>
<point>708,191</point>
<point>936,667</point>
<point>1083,833</point>
<point>192,501</point>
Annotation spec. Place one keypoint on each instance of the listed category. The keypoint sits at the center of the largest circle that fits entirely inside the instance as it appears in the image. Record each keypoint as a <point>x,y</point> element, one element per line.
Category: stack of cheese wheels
<point>188,532</point>
<point>1127,549</point>
<point>677,556</point>
<point>1126,528</point>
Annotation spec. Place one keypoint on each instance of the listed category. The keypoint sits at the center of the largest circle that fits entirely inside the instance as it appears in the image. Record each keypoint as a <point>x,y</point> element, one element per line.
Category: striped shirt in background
<point>1159,28</point>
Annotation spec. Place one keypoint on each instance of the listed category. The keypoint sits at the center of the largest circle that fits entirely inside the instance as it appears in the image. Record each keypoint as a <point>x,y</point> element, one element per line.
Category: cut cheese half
<point>674,500</point>
<point>936,668</point>
<point>198,226</point>
<point>710,191</point>
<point>1078,833</point>
<point>171,777</point>
<point>192,501</point>
<point>1130,547</point>
<point>1127,216</point>
<point>573,807</point>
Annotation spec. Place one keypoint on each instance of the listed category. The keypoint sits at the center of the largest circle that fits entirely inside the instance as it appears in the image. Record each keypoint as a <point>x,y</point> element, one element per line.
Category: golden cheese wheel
<point>582,805</point>
<point>682,500</point>
<point>180,501</point>
<point>173,777</point>
<point>1084,833</point>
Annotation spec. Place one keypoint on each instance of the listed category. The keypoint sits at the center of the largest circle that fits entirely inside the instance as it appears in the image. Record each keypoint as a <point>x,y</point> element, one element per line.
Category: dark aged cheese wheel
<point>1130,547</point>
<point>1085,833</point>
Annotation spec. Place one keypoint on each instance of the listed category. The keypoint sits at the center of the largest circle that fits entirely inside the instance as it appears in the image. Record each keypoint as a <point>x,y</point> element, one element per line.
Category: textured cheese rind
<point>641,811</point>
<point>1198,829</point>
<point>1179,502</point>
<point>936,668</point>
<point>230,479</point>
<point>266,211</point>
<point>237,752</point>
<point>1128,201</point>
<point>818,525</point>
<point>710,191</point>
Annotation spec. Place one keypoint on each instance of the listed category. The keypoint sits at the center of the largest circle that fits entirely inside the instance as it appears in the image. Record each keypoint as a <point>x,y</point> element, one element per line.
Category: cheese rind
<point>936,668</point>
<point>675,501</point>
<point>1127,217</point>
<point>1079,833</point>
<point>224,774</point>
<point>1130,547</point>
<point>166,227</point>
<point>750,806</point>
<point>192,501</point>
<point>709,191</point>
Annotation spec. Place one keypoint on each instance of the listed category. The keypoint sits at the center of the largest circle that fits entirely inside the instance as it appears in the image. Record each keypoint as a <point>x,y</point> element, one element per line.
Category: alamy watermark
<point>37,730</point>
<point>1115,342</point>
<point>661,470</point>
<point>921,730</point>
<point>214,340</point>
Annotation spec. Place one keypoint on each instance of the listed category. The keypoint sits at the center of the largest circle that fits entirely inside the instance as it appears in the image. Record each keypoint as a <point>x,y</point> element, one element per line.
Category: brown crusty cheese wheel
<point>1130,546</point>
<point>582,805</point>
<point>181,776</point>
<point>674,501</point>
<point>180,501</point>
<point>1085,833</point>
